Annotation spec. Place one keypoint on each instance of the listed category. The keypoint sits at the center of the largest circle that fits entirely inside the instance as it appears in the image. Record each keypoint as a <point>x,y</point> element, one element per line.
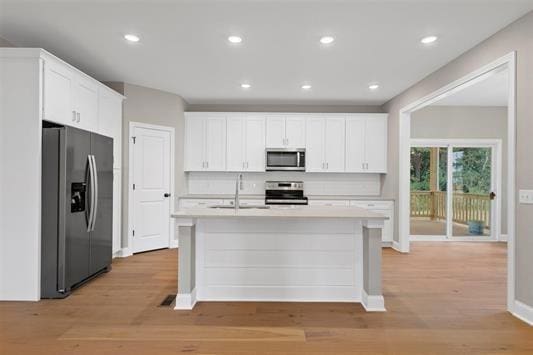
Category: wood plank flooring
<point>443,298</point>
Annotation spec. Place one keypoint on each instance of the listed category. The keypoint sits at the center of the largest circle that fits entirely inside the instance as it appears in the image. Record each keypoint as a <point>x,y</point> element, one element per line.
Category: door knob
<point>166,194</point>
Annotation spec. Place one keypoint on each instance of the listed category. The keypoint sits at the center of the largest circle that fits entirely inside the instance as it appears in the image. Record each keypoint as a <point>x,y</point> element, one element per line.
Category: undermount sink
<point>245,207</point>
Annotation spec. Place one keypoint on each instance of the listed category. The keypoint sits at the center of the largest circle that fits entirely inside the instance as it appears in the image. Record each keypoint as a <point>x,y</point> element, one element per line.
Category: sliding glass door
<point>453,189</point>
<point>472,193</point>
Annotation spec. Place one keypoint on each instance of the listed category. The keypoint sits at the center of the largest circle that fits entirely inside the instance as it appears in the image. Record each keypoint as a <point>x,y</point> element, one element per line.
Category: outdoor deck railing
<point>466,206</point>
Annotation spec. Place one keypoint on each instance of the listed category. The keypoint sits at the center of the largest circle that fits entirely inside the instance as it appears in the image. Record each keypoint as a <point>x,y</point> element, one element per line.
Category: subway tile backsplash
<point>314,184</point>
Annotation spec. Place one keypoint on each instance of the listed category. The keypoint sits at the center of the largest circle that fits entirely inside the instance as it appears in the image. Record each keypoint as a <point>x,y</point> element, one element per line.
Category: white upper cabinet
<point>285,132</point>
<point>295,132</point>
<point>86,103</point>
<point>366,144</point>
<point>245,143</point>
<point>376,144</point>
<point>205,143</point>
<point>325,144</point>
<point>254,143</point>
<point>72,98</point>
<point>58,93</point>
<point>110,121</point>
<point>334,143</point>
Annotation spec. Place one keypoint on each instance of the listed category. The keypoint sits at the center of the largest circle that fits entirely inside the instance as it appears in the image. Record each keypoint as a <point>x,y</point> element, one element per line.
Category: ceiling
<point>184,47</point>
<point>492,91</point>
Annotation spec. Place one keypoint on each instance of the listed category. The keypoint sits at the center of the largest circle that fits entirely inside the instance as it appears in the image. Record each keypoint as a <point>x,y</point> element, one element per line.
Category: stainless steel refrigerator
<point>77,208</point>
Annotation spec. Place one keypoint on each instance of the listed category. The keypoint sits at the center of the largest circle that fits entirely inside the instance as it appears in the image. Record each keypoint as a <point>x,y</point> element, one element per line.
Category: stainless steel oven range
<point>285,193</point>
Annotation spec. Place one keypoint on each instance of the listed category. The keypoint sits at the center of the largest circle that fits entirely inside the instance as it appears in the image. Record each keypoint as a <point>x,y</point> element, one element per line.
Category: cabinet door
<point>295,132</point>
<point>194,143</point>
<point>275,132</point>
<point>254,143</point>
<point>376,144</point>
<point>355,144</point>
<point>215,144</point>
<point>110,122</point>
<point>314,152</point>
<point>86,98</point>
<point>58,89</point>
<point>235,144</point>
<point>334,144</point>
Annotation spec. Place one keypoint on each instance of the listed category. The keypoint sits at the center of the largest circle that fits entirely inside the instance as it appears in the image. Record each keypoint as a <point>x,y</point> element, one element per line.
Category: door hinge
<point>133,139</point>
<point>134,186</point>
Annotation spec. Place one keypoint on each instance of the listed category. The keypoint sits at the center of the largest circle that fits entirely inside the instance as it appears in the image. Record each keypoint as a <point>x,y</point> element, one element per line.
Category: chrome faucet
<point>238,187</point>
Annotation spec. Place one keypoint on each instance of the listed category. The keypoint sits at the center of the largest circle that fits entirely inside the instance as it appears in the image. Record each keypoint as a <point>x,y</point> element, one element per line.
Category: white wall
<point>466,122</point>
<point>314,184</point>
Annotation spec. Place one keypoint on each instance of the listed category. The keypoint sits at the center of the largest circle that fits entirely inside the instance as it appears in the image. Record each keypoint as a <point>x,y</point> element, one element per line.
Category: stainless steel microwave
<point>285,159</point>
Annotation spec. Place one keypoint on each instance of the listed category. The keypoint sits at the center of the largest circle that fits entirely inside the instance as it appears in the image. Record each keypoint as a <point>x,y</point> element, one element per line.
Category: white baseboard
<point>123,253</point>
<point>523,312</point>
<point>504,237</point>
<point>386,244</point>
<point>173,244</point>
<point>372,303</point>
<point>186,301</point>
<point>396,246</point>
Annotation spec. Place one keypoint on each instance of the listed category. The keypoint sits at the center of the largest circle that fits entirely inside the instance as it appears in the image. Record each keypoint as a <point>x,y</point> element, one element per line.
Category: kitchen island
<point>300,254</point>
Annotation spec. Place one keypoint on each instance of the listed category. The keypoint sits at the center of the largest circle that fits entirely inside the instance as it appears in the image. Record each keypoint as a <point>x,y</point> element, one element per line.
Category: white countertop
<point>282,212</point>
<point>262,197</point>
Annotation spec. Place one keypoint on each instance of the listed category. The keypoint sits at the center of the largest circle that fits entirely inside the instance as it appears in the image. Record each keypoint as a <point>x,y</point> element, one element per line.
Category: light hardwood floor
<point>443,298</point>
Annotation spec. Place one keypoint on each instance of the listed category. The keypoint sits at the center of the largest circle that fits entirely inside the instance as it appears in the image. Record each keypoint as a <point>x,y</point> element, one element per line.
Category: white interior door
<point>151,194</point>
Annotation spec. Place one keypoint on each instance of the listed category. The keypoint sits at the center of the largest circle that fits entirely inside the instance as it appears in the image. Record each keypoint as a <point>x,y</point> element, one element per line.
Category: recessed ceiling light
<point>327,40</point>
<point>235,39</point>
<point>373,86</point>
<point>428,39</point>
<point>306,87</point>
<point>246,86</point>
<point>131,37</point>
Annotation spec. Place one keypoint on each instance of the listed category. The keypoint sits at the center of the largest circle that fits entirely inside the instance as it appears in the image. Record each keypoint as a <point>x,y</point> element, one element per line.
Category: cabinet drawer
<point>371,205</point>
<point>192,203</point>
<point>342,203</point>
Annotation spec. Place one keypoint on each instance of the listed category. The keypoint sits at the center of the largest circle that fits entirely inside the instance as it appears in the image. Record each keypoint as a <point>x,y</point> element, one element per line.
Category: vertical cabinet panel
<point>117,211</point>
<point>110,122</point>
<point>275,132</point>
<point>254,143</point>
<point>315,145</point>
<point>194,143</point>
<point>235,144</point>
<point>334,144</point>
<point>355,145</point>
<point>376,144</point>
<point>295,132</point>
<point>58,93</point>
<point>215,147</point>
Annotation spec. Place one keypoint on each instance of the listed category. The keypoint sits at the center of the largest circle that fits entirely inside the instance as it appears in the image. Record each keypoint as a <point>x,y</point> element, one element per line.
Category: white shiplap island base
<point>300,254</point>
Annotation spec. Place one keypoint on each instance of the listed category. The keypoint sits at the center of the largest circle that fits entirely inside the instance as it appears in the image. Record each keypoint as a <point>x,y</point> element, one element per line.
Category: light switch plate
<point>525,196</point>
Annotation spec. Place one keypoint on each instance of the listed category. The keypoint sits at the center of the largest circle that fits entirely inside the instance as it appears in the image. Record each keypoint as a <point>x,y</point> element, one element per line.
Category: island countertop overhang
<point>282,212</point>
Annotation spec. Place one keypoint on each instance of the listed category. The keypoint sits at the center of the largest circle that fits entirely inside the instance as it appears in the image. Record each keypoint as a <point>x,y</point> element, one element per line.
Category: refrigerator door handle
<point>91,187</point>
<point>95,195</point>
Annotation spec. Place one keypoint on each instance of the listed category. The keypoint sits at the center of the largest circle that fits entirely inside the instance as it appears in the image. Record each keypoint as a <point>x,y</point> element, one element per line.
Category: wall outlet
<point>525,196</point>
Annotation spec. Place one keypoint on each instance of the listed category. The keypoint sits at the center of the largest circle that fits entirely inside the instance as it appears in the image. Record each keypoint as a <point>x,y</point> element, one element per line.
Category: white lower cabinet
<point>341,203</point>
<point>199,202</point>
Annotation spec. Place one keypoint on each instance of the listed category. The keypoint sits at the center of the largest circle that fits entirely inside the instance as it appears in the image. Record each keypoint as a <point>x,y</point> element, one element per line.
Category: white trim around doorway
<point>172,238</point>
<point>507,62</point>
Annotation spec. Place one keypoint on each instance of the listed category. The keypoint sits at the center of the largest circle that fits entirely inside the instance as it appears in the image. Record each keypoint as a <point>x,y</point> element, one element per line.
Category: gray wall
<point>5,43</point>
<point>152,107</point>
<point>516,37</point>
<point>284,108</point>
<point>466,122</point>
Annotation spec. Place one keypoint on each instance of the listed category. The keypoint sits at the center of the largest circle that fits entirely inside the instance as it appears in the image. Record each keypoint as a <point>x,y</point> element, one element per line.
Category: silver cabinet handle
<point>207,164</point>
<point>73,116</point>
<point>327,166</point>
<point>79,115</point>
